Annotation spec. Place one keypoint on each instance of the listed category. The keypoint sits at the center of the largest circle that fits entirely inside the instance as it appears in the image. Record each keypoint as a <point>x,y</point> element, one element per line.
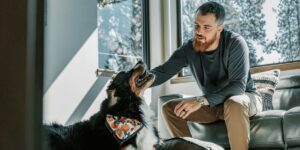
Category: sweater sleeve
<point>172,66</point>
<point>238,69</point>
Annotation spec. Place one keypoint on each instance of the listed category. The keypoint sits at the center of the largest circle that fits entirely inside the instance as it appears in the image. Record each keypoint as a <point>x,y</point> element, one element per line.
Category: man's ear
<point>220,28</point>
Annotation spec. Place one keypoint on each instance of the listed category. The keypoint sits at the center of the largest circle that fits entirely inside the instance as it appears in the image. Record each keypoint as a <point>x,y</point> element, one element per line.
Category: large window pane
<point>121,33</point>
<point>270,27</point>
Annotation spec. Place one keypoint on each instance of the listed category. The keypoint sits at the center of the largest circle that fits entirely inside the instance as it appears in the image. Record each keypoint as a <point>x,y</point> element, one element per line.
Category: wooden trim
<point>282,67</point>
<point>184,79</point>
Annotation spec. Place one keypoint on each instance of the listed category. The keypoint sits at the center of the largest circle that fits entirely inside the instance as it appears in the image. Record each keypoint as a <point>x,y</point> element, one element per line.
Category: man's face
<point>206,31</point>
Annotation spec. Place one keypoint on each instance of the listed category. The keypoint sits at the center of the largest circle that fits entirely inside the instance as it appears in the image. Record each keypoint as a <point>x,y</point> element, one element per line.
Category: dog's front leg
<point>130,147</point>
<point>146,140</point>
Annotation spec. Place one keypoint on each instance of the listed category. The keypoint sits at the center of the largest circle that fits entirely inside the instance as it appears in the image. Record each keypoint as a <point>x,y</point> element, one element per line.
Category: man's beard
<point>203,47</point>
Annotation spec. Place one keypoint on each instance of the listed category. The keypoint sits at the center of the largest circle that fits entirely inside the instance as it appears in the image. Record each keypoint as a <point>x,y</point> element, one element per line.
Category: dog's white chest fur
<point>146,138</point>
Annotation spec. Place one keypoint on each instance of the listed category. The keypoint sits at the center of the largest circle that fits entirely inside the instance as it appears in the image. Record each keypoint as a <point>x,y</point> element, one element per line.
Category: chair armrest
<point>162,129</point>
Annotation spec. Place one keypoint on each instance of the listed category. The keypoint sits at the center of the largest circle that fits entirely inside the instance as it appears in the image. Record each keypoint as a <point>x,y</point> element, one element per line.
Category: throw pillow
<point>265,83</point>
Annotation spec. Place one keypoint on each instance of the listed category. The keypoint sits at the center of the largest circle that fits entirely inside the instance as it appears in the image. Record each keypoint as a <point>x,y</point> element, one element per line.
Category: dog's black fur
<point>93,133</point>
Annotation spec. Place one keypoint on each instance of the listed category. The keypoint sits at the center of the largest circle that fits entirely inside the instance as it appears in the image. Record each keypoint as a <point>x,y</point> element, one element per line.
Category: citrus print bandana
<point>122,128</point>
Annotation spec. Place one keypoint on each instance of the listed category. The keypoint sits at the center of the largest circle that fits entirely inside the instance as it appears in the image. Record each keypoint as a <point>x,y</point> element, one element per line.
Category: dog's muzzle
<point>143,78</point>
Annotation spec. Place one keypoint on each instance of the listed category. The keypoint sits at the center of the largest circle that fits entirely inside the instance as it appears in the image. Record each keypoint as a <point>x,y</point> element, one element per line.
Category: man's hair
<point>213,8</point>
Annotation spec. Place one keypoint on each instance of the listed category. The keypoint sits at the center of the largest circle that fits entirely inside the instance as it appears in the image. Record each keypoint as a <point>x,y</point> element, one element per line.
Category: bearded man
<point>219,61</point>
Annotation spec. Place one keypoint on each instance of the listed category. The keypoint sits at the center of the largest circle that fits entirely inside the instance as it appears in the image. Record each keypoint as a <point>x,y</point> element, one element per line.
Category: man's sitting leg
<point>237,110</point>
<point>178,126</point>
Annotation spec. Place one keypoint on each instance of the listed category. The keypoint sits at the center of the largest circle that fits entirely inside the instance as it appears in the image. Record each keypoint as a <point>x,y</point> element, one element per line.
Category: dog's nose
<point>140,62</point>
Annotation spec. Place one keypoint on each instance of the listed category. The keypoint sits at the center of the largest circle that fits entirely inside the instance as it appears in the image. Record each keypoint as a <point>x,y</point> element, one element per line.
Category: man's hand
<point>186,107</point>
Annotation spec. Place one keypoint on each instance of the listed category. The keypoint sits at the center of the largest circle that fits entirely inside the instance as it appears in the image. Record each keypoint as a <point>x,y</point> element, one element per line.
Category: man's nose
<point>199,31</point>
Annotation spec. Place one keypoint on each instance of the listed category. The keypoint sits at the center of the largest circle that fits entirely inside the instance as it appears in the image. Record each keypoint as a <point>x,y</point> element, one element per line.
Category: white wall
<point>156,44</point>
<point>69,23</point>
<point>71,58</point>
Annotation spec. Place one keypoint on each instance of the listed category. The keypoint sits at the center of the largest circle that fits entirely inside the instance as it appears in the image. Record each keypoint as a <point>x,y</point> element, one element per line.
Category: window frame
<point>146,32</point>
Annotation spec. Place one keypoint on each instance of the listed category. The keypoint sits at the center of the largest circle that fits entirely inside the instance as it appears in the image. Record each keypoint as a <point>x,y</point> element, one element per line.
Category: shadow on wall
<point>98,87</point>
<point>68,25</point>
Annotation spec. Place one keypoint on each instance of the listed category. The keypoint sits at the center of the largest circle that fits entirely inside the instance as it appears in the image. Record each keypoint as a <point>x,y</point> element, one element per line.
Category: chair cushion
<point>287,92</point>
<point>213,132</point>
<point>187,143</point>
<point>265,131</point>
<point>162,128</point>
<point>291,127</point>
<point>265,83</point>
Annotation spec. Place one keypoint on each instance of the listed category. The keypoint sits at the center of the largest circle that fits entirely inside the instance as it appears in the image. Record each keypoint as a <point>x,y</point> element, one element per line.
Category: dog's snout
<point>140,64</point>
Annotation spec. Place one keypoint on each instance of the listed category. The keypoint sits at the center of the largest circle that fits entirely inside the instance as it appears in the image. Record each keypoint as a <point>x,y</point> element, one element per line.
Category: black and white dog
<point>123,122</point>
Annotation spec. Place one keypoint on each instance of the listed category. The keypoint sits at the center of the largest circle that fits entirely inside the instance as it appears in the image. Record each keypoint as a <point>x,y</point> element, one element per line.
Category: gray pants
<point>236,111</point>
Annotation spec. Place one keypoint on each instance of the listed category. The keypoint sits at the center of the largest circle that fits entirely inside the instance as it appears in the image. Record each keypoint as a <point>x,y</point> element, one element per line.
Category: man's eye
<point>206,28</point>
<point>196,26</point>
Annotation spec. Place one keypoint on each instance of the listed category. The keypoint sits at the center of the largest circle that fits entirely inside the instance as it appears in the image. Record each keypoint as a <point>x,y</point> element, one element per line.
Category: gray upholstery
<point>272,129</point>
<point>291,127</point>
<point>287,93</point>
<point>187,143</point>
<point>266,129</point>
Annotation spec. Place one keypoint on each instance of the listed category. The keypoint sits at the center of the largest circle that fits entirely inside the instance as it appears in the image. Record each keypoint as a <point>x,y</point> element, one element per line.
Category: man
<point>219,61</point>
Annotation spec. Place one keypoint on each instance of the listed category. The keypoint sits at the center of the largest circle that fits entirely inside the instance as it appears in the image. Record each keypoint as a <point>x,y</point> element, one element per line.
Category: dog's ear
<point>111,97</point>
<point>120,83</point>
<point>113,76</point>
<point>113,81</point>
<point>109,92</point>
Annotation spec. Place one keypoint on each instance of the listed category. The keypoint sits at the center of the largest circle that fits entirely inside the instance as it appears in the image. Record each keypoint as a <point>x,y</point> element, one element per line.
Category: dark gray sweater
<point>220,74</point>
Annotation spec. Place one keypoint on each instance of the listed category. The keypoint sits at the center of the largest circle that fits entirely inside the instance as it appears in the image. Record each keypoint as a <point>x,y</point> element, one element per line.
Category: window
<point>122,34</point>
<point>270,27</point>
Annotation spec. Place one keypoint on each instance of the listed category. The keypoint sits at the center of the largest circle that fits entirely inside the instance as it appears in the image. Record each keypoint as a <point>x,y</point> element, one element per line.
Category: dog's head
<point>130,83</point>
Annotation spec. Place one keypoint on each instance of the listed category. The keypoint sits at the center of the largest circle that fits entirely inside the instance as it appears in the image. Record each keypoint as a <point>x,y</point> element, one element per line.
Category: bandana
<point>122,128</point>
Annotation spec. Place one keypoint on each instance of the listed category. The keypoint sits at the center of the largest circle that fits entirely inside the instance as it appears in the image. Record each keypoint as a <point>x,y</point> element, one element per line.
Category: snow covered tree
<point>252,25</point>
<point>120,27</point>
<point>288,36</point>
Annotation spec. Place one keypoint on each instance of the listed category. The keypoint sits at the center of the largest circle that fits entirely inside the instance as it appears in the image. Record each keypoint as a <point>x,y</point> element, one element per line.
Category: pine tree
<point>136,37</point>
<point>252,26</point>
<point>287,37</point>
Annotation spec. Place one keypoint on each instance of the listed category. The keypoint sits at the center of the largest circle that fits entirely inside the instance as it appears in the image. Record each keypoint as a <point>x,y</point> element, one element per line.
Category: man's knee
<point>168,107</point>
<point>235,104</point>
<point>235,112</point>
<point>237,101</point>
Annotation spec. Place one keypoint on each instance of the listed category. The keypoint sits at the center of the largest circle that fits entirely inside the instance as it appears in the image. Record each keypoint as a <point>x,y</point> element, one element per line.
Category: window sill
<point>282,67</point>
<point>184,79</point>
